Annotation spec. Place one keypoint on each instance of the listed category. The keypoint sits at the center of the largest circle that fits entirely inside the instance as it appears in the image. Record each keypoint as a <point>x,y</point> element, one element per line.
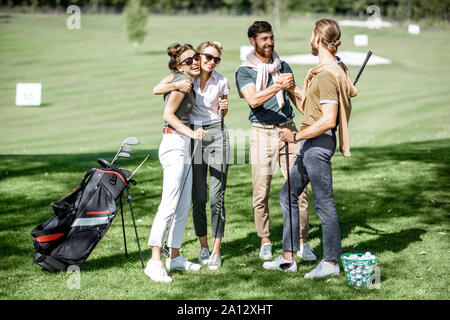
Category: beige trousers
<point>266,150</point>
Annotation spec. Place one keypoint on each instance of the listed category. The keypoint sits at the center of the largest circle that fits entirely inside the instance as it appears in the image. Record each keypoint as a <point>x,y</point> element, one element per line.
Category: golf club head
<point>131,141</point>
<point>124,155</point>
<point>127,149</point>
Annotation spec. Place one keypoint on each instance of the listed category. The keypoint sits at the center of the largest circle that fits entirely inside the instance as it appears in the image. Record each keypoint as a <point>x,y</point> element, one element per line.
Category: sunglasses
<point>209,57</point>
<point>189,60</point>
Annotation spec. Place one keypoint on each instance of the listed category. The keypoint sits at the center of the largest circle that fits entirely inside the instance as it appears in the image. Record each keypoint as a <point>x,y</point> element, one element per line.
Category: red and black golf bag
<point>81,219</point>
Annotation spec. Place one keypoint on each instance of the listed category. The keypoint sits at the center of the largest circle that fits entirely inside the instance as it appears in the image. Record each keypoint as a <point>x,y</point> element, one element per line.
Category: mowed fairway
<point>392,195</point>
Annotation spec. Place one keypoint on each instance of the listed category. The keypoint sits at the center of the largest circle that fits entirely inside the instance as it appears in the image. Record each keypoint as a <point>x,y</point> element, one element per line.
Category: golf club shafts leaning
<point>222,176</point>
<point>222,173</point>
<point>135,170</point>
<point>130,141</point>
<point>362,67</point>
<point>288,181</point>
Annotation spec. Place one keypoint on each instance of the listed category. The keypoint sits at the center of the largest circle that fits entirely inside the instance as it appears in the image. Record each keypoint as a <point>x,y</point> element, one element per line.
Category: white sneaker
<point>155,271</point>
<point>280,262</point>
<point>214,262</point>
<point>180,263</point>
<point>203,256</point>
<point>265,252</point>
<point>323,269</point>
<point>306,253</point>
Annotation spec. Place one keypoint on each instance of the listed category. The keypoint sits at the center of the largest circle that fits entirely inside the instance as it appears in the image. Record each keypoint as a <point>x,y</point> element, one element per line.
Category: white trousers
<point>174,152</point>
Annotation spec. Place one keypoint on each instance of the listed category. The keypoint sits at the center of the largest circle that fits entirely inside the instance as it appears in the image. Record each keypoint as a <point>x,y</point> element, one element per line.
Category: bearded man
<point>267,84</point>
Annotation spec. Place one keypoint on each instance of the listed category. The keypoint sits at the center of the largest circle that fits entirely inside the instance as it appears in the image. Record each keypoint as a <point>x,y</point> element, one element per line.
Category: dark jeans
<point>313,164</point>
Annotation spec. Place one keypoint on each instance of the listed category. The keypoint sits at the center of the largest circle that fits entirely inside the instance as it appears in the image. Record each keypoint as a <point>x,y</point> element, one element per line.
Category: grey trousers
<point>313,165</point>
<point>211,156</point>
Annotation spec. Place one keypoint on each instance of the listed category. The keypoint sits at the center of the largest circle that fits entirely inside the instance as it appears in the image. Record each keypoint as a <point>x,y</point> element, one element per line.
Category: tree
<point>136,16</point>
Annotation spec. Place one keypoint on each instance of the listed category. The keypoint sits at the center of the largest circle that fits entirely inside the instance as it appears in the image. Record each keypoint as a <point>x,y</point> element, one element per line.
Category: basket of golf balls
<point>358,267</point>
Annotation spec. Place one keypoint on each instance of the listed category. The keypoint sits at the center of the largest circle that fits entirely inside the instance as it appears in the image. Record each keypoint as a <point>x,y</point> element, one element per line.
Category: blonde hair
<point>175,51</point>
<point>329,32</point>
<point>215,44</point>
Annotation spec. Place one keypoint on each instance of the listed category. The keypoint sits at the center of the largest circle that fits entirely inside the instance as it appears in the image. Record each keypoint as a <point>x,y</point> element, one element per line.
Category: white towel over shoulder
<point>263,70</point>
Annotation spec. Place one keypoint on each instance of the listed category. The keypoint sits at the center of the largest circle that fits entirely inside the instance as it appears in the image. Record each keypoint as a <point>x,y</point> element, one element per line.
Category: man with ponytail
<point>326,105</point>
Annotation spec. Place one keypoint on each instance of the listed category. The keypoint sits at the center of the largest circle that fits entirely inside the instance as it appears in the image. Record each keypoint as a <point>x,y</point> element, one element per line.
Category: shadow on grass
<point>390,187</point>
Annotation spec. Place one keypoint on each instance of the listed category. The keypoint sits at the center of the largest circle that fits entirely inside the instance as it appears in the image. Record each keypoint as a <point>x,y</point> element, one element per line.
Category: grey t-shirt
<point>188,102</point>
<point>269,112</point>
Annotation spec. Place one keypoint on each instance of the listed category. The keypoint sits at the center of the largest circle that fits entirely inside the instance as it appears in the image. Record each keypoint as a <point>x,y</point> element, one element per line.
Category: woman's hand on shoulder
<point>184,86</point>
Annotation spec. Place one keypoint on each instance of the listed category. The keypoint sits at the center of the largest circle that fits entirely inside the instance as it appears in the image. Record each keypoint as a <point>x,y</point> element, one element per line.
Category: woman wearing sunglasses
<point>211,101</point>
<point>177,178</point>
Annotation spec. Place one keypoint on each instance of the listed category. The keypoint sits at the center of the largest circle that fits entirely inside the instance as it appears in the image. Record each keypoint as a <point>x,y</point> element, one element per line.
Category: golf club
<point>362,67</point>
<point>127,149</point>
<point>122,155</point>
<point>139,167</point>
<point>285,266</point>
<point>222,174</point>
<point>129,141</point>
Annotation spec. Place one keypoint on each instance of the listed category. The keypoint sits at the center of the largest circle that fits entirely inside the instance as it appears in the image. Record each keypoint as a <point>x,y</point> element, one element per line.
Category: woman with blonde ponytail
<point>211,89</point>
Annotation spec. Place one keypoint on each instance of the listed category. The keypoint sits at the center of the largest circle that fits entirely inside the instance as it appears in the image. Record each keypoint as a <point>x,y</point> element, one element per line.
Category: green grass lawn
<point>392,195</point>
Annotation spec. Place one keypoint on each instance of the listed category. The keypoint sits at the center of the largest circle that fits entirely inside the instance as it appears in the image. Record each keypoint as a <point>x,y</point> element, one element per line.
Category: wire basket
<point>358,267</point>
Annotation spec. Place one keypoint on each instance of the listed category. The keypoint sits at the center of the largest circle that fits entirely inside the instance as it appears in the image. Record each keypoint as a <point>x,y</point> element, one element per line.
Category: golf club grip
<point>362,67</point>
<point>222,115</point>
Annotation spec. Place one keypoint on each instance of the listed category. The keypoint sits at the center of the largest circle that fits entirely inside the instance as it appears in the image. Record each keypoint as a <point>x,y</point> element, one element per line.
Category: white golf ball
<point>368,254</point>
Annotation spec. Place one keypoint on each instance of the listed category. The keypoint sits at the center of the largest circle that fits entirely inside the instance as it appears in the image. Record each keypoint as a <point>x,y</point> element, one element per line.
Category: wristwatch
<point>295,141</point>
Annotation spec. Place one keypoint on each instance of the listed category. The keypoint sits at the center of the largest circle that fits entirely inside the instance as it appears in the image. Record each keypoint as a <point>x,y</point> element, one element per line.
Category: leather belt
<point>271,126</point>
<point>170,131</point>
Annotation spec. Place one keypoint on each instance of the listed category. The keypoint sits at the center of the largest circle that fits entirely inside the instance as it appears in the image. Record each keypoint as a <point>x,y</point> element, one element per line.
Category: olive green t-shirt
<point>188,102</point>
<point>323,89</point>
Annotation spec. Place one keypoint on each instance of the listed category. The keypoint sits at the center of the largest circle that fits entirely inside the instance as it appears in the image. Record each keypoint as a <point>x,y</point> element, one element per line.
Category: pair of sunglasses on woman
<point>208,57</point>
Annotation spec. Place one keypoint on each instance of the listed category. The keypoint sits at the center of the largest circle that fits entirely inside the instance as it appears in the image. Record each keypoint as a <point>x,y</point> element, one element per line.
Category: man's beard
<point>262,52</point>
<point>314,51</point>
